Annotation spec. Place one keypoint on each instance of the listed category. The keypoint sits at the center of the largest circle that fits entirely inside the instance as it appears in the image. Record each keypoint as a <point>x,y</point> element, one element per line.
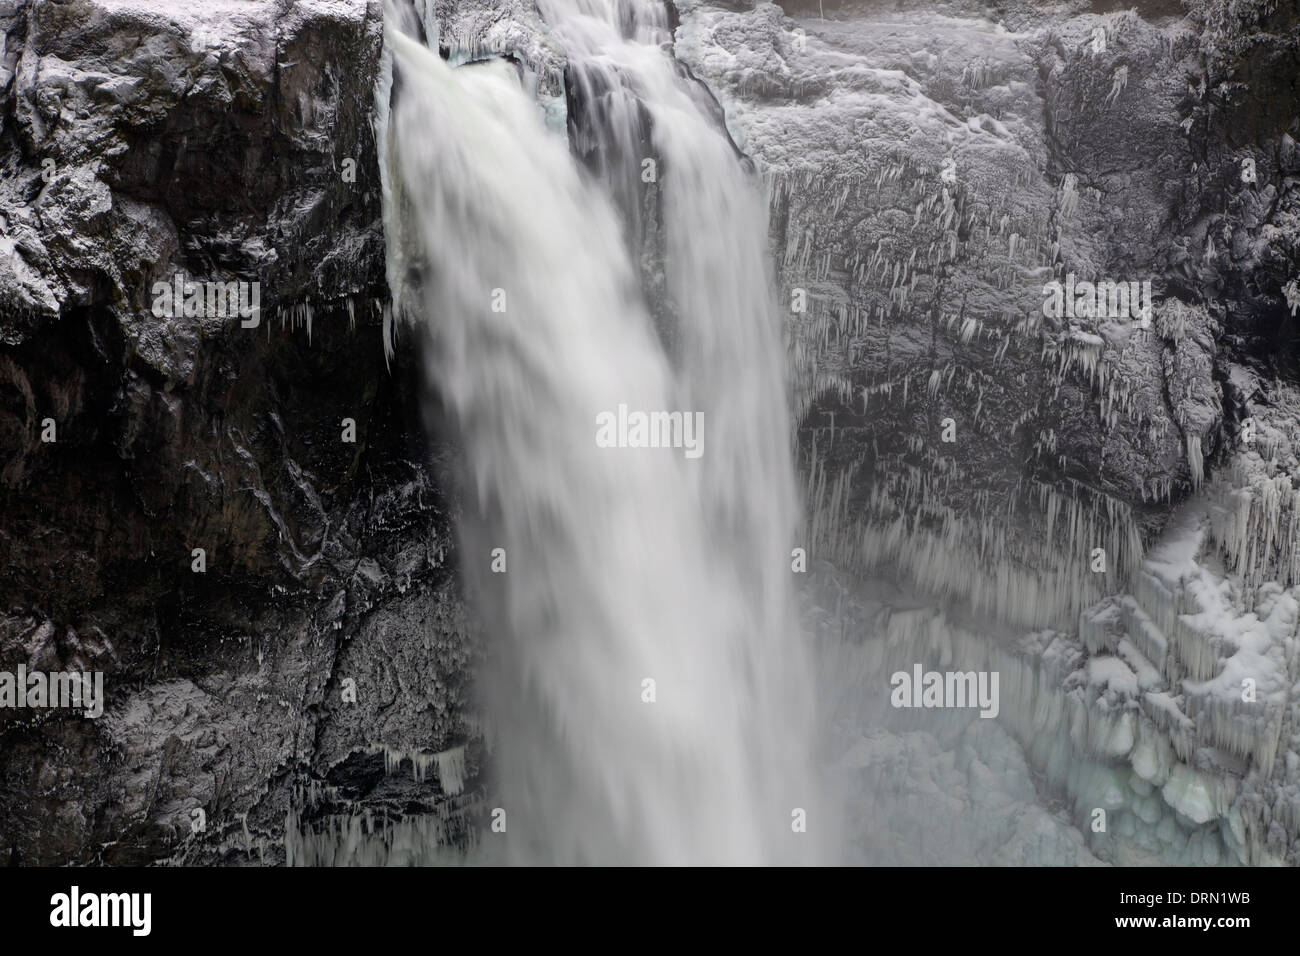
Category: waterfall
<point>649,689</point>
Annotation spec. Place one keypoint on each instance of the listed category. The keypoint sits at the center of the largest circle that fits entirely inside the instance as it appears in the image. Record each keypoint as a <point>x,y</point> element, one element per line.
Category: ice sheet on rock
<point>1114,673</point>
<point>972,803</point>
<point>1101,730</point>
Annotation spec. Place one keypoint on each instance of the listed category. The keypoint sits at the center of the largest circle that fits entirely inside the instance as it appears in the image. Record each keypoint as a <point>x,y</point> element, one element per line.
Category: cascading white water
<point>622,564</point>
<point>729,351</point>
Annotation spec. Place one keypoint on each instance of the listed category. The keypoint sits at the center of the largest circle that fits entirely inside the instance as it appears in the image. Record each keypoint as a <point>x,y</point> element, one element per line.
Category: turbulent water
<point>648,687</point>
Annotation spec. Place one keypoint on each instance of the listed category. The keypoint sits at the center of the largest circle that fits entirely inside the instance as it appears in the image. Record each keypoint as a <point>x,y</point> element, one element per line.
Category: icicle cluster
<point>1026,561</point>
<point>450,764</point>
<point>1100,725</point>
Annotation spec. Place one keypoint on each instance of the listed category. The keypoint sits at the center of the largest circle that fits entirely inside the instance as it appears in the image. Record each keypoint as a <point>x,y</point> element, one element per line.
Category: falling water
<point>623,565</point>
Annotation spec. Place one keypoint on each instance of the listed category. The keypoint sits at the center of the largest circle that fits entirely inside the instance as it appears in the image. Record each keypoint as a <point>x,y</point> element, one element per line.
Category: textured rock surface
<point>208,139</point>
<point>930,174</point>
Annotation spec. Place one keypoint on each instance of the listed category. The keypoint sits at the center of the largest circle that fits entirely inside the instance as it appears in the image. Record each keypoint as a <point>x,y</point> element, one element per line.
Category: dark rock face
<point>219,141</point>
<point>324,560</point>
<point>228,142</point>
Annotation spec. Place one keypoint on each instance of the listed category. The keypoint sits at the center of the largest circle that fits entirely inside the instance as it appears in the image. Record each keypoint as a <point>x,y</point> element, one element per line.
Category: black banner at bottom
<point>335,907</point>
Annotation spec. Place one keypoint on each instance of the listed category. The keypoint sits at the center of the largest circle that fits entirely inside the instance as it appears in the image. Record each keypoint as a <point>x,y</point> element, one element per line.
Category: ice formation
<point>321,829</point>
<point>450,765</point>
<point>1168,706</point>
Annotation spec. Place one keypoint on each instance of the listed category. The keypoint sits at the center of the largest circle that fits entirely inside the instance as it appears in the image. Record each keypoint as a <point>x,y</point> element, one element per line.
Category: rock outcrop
<point>225,141</point>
